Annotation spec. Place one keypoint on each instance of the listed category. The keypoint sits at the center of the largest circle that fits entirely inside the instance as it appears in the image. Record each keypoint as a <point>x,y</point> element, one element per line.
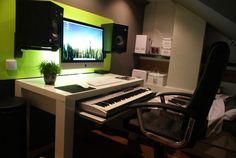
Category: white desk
<point>62,103</point>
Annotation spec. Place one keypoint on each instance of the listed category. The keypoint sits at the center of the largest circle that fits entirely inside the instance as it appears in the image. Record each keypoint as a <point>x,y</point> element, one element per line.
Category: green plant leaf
<point>46,67</point>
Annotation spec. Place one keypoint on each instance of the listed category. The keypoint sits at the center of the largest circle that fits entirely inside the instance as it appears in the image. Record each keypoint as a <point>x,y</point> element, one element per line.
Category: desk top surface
<point>37,85</point>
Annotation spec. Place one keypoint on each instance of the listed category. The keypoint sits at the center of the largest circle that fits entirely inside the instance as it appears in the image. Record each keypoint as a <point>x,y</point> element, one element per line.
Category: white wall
<point>218,18</point>
<point>188,37</point>
<point>169,19</point>
<point>159,21</point>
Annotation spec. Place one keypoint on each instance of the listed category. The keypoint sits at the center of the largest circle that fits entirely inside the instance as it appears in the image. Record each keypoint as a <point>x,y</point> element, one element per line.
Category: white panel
<point>159,21</point>
<point>188,36</point>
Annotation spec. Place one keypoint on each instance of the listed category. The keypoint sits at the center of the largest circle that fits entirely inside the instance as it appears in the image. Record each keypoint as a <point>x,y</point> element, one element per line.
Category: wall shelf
<point>155,57</point>
<point>152,62</point>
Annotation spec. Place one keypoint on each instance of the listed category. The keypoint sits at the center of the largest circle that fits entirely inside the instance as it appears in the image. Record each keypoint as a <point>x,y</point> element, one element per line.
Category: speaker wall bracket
<point>18,52</point>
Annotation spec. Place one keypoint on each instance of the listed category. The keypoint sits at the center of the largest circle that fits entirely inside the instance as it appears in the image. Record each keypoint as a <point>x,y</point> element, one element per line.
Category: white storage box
<point>166,46</point>
<point>165,52</point>
<point>157,78</point>
<point>161,79</point>
<point>140,74</point>
<point>152,78</point>
<point>142,44</point>
<point>166,43</point>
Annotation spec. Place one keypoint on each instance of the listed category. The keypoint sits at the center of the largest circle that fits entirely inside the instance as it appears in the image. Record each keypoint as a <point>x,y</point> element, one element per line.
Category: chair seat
<point>164,123</point>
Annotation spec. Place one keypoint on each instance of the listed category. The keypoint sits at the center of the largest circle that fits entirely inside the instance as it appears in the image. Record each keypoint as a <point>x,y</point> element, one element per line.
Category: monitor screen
<point>82,43</point>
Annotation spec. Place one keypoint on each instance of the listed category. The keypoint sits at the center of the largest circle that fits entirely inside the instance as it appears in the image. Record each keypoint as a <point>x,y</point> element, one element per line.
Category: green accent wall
<point>27,66</point>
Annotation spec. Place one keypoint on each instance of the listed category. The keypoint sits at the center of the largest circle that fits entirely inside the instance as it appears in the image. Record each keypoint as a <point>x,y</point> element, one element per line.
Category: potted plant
<point>49,71</point>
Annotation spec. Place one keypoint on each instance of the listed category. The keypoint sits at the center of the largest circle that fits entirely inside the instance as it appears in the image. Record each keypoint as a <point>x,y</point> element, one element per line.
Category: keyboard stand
<point>100,120</point>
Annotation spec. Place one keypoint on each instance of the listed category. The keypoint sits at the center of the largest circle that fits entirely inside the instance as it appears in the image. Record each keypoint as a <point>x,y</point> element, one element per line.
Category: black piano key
<point>103,104</point>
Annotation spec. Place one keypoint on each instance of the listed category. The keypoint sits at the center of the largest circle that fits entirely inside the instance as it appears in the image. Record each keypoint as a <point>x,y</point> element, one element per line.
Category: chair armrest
<point>163,94</point>
<point>189,115</point>
<point>171,107</point>
<point>175,93</point>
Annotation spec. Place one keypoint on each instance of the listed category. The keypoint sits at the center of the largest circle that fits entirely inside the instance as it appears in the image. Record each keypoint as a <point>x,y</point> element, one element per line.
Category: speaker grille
<point>119,38</point>
<point>116,37</point>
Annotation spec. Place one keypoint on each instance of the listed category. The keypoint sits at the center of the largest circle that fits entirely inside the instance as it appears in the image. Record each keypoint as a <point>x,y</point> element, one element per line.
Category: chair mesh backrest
<point>210,79</point>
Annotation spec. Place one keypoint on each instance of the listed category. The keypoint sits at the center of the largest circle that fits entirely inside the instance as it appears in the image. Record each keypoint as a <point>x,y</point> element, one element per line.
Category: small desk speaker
<point>115,37</point>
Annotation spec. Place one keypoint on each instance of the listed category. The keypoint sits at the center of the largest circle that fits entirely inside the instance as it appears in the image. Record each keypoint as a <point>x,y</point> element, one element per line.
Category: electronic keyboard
<point>110,104</point>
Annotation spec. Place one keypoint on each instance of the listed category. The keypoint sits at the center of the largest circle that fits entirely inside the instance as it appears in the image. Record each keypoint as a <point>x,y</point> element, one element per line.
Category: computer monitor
<point>82,45</point>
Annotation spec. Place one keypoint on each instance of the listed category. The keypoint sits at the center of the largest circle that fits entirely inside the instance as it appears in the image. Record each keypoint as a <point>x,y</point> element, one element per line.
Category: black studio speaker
<point>39,25</point>
<point>115,37</point>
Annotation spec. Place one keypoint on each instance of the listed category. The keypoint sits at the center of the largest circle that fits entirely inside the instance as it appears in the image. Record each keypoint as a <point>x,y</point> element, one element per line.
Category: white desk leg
<point>64,129</point>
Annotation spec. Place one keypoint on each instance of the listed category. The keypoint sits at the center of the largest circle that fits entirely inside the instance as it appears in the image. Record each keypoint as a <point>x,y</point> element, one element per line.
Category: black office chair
<point>180,126</point>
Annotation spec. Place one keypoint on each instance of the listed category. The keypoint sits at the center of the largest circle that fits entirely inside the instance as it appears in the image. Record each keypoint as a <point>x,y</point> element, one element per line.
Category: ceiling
<point>220,14</point>
<point>217,13</point>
